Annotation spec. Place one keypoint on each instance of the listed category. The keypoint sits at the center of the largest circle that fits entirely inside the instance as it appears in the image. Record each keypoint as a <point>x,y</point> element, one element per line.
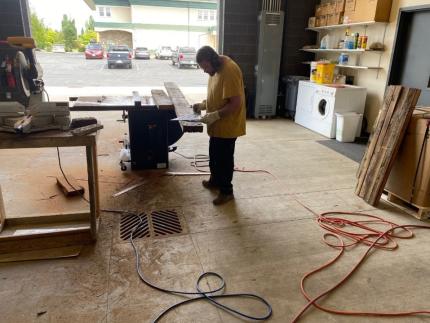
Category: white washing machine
<point>318,104</point>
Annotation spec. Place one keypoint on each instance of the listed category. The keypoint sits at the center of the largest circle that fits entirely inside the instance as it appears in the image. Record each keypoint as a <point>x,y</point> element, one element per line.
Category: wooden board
<point>86,130</point>
<point>70,187</point>
<point>182,107</point>
<point>54,253</point>
<point>162,100</point>
<point>420,213</point>
<point>385,141</point>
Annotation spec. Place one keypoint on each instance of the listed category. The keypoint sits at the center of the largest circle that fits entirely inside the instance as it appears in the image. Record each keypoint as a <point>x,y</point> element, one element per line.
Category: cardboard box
<point>335,19</point>
<point>340,6</point>
<point>325,8</point>
<point>312,22</point>
<point>401,180</point>
<point>368,10</point>
<point>318,11</point>
<point>331,8</point>
<point>321,21</point>
<point>350,5</point>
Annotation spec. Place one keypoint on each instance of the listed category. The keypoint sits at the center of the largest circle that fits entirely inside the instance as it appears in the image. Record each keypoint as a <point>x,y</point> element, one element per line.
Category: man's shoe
<point>223,198</point>
<point>209,185</point>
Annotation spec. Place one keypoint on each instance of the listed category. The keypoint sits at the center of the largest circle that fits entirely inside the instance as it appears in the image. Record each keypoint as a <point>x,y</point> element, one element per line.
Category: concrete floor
<point>263,242</point>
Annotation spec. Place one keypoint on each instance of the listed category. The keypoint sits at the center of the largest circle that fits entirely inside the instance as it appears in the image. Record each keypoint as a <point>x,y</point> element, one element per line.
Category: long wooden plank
<point>391,98</point>
<point>182,107</point>
<point>377,140</point>
<point>392,145</point>
<point>385,142</point>
<point>162,100</point>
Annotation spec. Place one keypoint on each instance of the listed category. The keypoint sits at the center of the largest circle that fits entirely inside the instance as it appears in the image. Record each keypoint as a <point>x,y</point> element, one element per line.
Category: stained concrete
<point>263,242</point>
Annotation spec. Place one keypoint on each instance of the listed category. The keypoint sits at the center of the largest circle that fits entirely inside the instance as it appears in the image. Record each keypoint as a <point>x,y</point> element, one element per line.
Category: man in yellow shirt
<point>225,118</point>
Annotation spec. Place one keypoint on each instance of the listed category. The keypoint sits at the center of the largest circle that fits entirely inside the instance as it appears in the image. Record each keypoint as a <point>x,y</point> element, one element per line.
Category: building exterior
<point>155,23</point>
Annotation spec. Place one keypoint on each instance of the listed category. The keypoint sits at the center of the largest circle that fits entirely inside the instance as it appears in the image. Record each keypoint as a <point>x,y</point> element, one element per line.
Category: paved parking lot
<point>73,70</point>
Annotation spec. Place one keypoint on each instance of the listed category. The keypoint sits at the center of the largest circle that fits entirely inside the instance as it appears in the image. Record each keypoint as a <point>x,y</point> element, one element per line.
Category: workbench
<point>83,223</point>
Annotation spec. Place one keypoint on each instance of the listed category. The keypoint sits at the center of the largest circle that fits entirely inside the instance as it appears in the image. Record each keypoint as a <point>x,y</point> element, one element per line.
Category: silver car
<point>141,53</point>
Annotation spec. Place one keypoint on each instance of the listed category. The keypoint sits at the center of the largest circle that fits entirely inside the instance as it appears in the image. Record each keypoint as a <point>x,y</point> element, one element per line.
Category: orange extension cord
<point>356,232</point>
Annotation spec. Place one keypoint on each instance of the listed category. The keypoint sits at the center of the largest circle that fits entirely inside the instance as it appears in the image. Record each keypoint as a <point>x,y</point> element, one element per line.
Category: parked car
<point>184,56</point>
<point>58,48</point>
<point>164,52</point>
<point>119,56</point>
<point>94,50</point>
<point>141,52</point>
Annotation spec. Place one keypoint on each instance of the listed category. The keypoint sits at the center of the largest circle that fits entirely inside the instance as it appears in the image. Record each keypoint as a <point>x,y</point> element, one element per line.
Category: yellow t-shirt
<point>226,83</point>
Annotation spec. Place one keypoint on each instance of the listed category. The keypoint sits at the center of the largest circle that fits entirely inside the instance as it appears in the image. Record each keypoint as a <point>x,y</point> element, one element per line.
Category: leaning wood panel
<point>391,98</point>
<point>385,142</point>
<point>392,144</point>
<point>182,107</point>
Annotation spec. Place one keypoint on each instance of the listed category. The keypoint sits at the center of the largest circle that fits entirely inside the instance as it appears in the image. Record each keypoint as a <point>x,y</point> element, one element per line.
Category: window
<point>206,15</point>
<point>101,11</point>
<point>108,12</point>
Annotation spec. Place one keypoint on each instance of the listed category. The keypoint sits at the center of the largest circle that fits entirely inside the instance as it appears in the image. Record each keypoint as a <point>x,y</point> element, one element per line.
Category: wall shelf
<point>353,67</point>
<point>338,50</point>
<point>355,24</point>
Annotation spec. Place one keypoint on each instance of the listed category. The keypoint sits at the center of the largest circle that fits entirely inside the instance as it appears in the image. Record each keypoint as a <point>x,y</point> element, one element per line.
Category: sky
<point>51,11</point>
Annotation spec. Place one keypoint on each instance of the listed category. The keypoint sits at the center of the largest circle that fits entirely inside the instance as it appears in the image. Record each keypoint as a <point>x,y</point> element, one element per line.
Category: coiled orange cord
<point>356,232</point>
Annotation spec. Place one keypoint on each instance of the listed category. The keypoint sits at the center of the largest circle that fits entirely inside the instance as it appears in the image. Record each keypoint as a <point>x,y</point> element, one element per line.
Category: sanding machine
<point>23,103</point>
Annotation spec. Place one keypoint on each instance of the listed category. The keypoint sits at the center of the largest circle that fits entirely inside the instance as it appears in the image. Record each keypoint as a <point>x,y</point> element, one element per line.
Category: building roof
<point>200,4</point>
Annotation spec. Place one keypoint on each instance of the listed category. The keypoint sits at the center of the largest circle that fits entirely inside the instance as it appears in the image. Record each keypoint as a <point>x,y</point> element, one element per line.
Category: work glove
<point>199,107</point>
<point>210,117</point>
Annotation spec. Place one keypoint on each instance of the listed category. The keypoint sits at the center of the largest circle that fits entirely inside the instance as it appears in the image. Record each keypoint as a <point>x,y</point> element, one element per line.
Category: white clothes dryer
<point>318,104</point>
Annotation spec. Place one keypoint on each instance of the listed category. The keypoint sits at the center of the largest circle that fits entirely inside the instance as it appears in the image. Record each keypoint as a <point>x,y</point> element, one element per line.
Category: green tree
<point>38,30</point>
<point>53,37</point>
<point>68,29</point>
<point>89,25</point>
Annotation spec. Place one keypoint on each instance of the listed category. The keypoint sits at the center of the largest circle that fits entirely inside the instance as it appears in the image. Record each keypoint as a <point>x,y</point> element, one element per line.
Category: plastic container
<point>291,89</point>
<point>325,73</point>
<point>347,126</point>
<point>313,75</point>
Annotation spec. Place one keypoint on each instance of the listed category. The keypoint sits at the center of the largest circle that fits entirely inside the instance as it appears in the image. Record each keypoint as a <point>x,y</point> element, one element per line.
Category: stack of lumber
<point>385,141</point>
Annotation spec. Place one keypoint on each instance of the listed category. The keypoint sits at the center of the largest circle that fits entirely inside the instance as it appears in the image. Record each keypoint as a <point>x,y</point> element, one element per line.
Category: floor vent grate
<point>155,225</point>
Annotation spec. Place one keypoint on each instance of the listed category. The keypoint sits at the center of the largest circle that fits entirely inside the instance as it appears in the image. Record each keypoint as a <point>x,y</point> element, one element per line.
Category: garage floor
<point>263,242</point>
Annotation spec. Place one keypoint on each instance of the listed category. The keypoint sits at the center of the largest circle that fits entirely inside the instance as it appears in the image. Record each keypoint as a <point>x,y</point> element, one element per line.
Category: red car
<point>94,51</point>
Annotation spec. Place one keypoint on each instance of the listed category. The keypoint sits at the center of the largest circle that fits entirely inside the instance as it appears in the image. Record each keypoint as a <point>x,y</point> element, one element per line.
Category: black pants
<point>221,154</point>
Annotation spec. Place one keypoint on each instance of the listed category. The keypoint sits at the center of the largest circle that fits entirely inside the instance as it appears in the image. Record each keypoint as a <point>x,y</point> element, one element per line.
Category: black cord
<point>201,295</point>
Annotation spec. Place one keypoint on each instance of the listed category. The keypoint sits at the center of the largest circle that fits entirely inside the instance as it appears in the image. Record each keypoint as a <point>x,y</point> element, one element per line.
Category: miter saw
<point>23,104</point>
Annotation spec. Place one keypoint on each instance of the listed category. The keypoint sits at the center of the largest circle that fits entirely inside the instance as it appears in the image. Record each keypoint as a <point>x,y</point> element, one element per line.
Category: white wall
<point>118,14</point>
<point>375,81</point>
<point>153,39</point>
<point>167,16</point>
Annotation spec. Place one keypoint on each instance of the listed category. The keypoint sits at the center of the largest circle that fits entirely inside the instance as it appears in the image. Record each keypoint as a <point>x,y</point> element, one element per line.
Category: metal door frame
<point>397,56</point>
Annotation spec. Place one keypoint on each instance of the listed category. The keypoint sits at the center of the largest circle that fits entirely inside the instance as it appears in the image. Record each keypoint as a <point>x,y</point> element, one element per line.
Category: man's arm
<point>232,106</point>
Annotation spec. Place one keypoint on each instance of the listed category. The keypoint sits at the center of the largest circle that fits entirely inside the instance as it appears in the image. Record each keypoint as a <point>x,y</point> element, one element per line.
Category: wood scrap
<point>162,100</point>
<point>70,187</point>
<point>182,107</point>
<point>43,254</point>
<point>83,131</point>
<point>128,189</point>
<point>385,141</point>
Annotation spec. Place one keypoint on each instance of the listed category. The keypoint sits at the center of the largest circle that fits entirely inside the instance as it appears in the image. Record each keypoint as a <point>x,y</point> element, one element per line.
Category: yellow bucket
<point>325,73</point>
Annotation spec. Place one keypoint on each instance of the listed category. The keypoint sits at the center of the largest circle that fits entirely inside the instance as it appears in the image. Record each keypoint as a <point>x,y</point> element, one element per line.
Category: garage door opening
<point>78,44</point>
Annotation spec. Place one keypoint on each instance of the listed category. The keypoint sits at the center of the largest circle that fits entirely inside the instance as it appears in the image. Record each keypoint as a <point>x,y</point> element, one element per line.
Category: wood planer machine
<point>152,134</point>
